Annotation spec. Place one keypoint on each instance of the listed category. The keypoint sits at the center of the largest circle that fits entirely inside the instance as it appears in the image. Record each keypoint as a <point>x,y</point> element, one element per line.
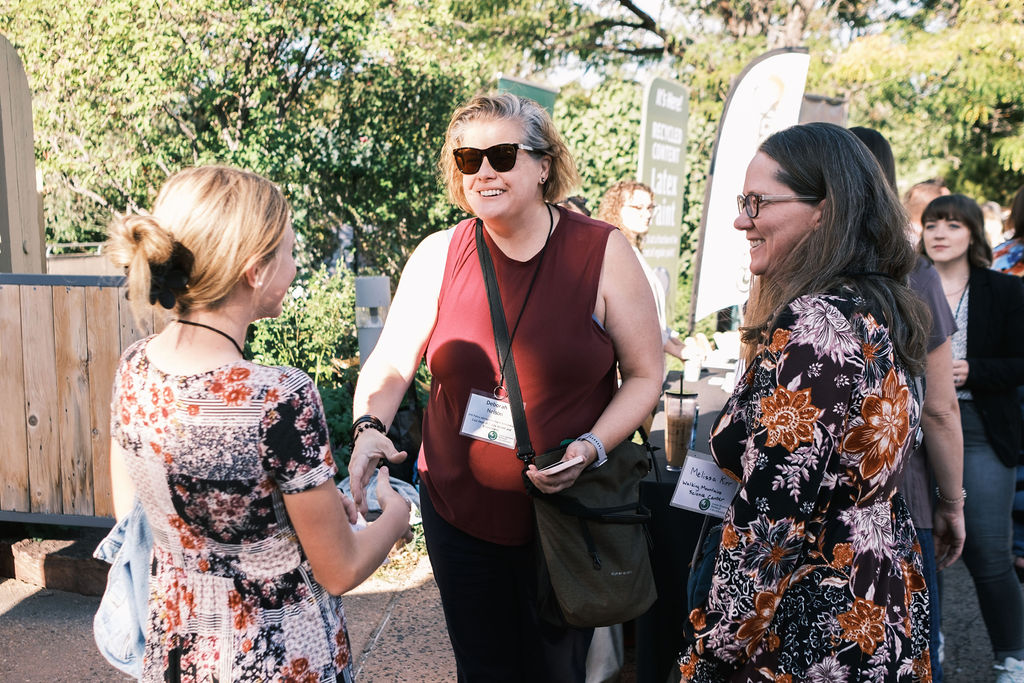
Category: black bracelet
<point>367,422</point>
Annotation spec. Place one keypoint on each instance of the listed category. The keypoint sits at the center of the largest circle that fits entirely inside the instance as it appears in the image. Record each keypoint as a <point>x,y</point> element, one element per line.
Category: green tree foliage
<point>316,333</point>
<point>318,96</point>
<point>946,89</point>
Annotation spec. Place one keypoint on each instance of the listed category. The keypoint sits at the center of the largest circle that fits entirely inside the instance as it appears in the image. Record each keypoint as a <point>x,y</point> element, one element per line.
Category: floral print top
<point>232,595</point>
<point>818,577</point>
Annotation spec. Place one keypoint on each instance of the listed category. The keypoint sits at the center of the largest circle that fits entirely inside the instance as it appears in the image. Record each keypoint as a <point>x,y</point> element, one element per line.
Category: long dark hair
<point>860,243</point>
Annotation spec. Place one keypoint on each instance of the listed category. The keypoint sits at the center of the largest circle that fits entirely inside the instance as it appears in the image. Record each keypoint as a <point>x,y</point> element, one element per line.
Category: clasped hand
<point>369,449</point>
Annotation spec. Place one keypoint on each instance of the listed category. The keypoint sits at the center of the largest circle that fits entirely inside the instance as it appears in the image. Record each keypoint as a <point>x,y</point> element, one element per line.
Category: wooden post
<point>22,244</point>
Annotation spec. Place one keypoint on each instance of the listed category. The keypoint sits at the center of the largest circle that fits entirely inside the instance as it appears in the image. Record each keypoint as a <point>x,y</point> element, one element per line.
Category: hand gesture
<point>387,497</point>
<point>369,449</point>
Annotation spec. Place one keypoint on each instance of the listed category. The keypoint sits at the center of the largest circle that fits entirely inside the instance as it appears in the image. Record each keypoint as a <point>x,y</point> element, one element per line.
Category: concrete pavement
<point>395,624</point>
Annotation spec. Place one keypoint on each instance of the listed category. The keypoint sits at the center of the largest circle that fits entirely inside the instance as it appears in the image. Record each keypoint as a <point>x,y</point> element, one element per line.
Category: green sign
<point>662,166</point>
<point>542,95</point>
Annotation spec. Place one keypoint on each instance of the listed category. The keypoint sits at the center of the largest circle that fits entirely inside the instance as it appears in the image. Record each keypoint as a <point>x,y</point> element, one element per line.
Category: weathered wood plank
<point>41,399</point>
<point>104,334</point>
<point>131,329</point>
<point>13,436</point>
<point>74,418</point>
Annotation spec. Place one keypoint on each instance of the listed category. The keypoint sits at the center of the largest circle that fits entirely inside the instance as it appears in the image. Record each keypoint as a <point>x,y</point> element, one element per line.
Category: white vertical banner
<point>662,165</point>
<point>765,98</point>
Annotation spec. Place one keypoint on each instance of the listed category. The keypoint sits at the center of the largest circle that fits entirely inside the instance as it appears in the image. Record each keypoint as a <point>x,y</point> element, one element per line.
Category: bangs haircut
<point>961,209</point>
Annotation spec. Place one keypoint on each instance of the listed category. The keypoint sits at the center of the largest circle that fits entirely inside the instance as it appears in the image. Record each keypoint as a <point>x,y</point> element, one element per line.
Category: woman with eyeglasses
<point>629,206</point>
<point>988,366</point>
<point>577,306</point>
<point>818,575</point>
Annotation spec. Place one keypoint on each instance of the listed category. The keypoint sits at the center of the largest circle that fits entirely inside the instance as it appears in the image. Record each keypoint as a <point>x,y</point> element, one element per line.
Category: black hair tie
<point>169,278</point>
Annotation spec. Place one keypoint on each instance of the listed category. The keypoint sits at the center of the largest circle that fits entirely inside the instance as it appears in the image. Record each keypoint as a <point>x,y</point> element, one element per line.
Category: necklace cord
<point>213,329</point>
<point>529,290</point>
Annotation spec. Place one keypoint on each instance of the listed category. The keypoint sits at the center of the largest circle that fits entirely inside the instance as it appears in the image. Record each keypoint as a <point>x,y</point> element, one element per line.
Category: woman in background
<point>988,367</point>
<point>629,206</point>
<point>231,460</point>
<point>1008,258</point>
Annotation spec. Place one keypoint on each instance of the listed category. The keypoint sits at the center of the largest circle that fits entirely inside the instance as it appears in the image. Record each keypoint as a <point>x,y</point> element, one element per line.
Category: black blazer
<point>995,355</point>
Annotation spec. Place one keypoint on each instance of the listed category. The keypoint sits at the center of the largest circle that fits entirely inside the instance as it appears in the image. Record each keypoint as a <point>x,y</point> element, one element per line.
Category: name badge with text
<point>489,419</point>
<point>703,487</point>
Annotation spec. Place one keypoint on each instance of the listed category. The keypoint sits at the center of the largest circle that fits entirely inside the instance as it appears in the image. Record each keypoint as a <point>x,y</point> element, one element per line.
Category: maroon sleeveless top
<point>565,363</point>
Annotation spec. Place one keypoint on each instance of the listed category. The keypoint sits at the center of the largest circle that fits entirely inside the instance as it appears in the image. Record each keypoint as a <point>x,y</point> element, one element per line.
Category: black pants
<point>488,592</point>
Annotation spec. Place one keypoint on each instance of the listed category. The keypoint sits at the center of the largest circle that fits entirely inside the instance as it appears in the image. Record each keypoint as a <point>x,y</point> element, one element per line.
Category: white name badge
<point>703,487</point>
<point>489,419</point>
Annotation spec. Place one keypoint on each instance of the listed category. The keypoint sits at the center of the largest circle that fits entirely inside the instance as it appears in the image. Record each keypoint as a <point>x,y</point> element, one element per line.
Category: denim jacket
<point>120,622</point>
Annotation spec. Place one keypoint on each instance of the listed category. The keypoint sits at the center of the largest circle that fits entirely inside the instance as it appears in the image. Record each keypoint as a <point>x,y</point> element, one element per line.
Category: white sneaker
<point>1010,671</point>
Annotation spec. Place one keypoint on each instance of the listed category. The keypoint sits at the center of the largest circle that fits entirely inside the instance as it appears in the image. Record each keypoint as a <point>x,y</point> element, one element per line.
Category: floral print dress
<point>232,595</point>
<point>818,577</point>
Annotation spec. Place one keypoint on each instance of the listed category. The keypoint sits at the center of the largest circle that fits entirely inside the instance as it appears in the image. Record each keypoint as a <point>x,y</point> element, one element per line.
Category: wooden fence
<point>60,339</point>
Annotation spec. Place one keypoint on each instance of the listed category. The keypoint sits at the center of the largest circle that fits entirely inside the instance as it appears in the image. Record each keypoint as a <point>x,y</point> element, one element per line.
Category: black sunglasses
<point>501,157</point>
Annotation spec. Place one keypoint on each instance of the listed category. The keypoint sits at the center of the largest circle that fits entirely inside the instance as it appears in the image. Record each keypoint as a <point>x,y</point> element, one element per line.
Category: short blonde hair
<point>209,221</point>
<point>539,132</point>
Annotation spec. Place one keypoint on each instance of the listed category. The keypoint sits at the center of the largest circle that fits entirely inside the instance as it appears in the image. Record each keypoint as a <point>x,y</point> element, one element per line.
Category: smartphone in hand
<point>554,468</point>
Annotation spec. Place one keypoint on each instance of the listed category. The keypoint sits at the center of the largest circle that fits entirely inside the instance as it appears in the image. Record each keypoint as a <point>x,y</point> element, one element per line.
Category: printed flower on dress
<point>231,386</point>
<point>886,424</point>
<point>299,672</point>
<point>244,610</point>
<point>774,549</point>
<point>877,348</point>
<point>824,328</point>
<point>341,642</point>
<point>753,628</point>
<point>827,671</point>
<point>864,624</point>
<point>779,340</point>
<point>842,555</point>
<point>186,536</point>
<point>870,528</point>
<point>789,417</point>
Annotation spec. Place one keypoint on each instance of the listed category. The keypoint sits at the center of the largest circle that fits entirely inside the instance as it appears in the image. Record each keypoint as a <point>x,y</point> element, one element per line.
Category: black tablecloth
<point>674,533</point>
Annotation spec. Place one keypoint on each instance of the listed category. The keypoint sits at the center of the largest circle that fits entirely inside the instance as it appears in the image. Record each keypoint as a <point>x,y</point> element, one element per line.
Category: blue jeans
<point>1018,514</point>
<point>987,553</point>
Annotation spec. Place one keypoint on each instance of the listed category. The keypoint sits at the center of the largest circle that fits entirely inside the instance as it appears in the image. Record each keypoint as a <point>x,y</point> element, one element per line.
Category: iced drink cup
<point>680,418</point>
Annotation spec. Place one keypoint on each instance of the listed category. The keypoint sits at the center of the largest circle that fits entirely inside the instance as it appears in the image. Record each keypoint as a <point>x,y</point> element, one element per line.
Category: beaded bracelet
<point>951,501</point>
<point>365,422</point>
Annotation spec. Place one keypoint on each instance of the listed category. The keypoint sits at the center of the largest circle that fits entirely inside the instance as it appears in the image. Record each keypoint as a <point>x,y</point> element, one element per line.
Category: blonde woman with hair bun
<point>230,460</point>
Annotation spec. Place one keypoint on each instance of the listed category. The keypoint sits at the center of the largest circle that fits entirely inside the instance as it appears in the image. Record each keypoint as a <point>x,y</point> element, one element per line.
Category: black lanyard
<point>481,247</point>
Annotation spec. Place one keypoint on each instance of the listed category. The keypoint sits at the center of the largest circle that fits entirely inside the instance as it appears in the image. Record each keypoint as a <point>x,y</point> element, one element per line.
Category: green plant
<point>316,333</point>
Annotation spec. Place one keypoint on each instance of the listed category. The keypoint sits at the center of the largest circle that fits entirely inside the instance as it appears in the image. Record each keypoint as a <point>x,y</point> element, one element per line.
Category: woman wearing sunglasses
<point>818,576</point>
<point>577,306</point>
